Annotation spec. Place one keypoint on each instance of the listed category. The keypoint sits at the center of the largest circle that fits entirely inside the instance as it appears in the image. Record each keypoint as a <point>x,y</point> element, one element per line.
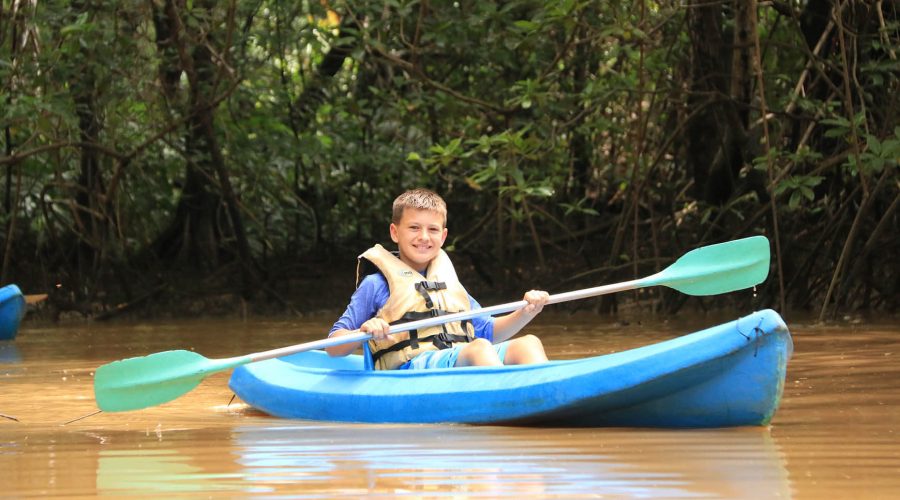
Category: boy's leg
<point>525,351</point>
<point>479,352</point>
<point>444,358</point>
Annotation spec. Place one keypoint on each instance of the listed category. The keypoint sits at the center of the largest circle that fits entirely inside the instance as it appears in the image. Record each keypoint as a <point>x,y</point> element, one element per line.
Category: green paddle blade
<point>715,269</point>
<point>135,383</point>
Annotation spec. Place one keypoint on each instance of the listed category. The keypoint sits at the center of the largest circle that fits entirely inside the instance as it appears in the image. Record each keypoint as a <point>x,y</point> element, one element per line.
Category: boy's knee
<point>480,348</point>
<point>525,350</point>
<point>531,340</point>
<point>480,344</point>
<point>478,352</point>
<point>527,342</point>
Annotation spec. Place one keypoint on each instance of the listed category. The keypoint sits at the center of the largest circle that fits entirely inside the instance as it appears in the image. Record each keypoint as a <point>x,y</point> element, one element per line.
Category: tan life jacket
<point>413,297</point>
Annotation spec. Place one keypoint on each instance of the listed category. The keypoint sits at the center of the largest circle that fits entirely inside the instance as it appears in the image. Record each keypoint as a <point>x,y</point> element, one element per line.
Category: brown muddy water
<point>835,435</point>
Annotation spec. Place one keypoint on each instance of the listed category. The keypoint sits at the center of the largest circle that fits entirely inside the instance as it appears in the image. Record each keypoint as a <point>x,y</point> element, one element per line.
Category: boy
<point>420,283</point>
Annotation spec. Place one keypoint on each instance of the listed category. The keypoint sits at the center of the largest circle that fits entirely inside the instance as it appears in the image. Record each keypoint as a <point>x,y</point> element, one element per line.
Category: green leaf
<point>794,200</point>
<point>874,145</point>
<point>834,133</point>
<point>527,26</point>
<point>518,177</point>
<point>807,193</point>
<point>812,180</point>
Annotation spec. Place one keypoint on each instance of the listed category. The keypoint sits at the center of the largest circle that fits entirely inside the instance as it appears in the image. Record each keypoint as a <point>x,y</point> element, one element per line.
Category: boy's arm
<point>343,349</point>
<point>365,302</point>
<point>376,326</point>
<point>507,326</point>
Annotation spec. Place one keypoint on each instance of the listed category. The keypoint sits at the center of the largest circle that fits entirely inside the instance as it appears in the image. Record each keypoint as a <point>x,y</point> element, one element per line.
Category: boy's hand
<point>536,299</point>
<point>377,327</point>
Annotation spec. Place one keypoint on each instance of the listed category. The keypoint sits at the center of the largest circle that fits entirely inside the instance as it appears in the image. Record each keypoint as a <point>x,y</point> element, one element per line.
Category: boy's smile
<point>419,235</point>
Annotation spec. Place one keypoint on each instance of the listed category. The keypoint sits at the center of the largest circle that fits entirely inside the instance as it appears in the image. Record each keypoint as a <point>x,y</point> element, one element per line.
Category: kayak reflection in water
<point>419,282</point>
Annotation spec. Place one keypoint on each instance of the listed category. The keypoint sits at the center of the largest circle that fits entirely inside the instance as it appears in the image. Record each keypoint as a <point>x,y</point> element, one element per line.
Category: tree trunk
<point>89,224</point>
<point>194,236</point>
<point>715,135</point>
<point>742,57</point>
<point>88,210</point>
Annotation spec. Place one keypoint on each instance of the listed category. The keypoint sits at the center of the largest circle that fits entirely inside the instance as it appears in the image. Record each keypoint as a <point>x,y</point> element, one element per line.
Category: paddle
<point>135,383</point>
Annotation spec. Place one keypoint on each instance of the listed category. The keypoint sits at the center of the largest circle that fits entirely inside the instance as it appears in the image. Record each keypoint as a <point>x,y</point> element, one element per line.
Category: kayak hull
<point>728,375</point>
<point>12,308</point>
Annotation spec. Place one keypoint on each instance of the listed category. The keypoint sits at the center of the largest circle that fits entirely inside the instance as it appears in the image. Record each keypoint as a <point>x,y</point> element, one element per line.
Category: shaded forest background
<point>213,156</point>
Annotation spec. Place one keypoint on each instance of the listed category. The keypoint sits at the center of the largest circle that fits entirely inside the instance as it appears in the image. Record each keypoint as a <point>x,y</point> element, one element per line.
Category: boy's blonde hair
<point>419,198</point>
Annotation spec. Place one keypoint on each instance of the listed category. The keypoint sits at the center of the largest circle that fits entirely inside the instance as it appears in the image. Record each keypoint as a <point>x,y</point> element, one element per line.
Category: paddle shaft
<point>358,336</point>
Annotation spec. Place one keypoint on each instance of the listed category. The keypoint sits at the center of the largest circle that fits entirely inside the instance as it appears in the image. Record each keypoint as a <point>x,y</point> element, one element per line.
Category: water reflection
<point>9,353</point>
<point>154,472</point>
<point>347,460</point>
<point>498,461</point>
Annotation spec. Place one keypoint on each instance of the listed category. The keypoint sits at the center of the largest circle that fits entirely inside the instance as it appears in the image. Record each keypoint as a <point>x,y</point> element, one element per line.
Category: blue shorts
<point>445,358</point>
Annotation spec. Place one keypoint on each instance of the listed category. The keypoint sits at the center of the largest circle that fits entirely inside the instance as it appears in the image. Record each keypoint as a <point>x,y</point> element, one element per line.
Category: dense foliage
<point>197,145</point>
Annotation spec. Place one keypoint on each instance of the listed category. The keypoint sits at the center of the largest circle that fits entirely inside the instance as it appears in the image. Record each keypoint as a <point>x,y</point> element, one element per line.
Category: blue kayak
<point>728,375</point>
<point>12,308</point>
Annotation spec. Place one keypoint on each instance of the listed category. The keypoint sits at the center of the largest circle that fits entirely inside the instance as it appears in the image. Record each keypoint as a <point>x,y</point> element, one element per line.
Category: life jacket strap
<point>445,340</point>
<point>414,316</point>
<point>425,286</point>
<point>434,286</point>
<point>442,340</point>
<point>400,346</point>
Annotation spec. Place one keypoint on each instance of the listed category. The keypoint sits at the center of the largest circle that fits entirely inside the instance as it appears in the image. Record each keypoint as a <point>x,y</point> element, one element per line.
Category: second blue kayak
<point>12,308</point>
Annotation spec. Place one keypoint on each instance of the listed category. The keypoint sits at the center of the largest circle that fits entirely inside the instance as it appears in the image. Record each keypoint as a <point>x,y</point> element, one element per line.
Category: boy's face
<point>419,236</point>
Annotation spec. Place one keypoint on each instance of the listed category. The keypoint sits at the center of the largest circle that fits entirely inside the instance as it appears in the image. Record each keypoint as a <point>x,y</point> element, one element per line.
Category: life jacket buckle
<point>441,342</point>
